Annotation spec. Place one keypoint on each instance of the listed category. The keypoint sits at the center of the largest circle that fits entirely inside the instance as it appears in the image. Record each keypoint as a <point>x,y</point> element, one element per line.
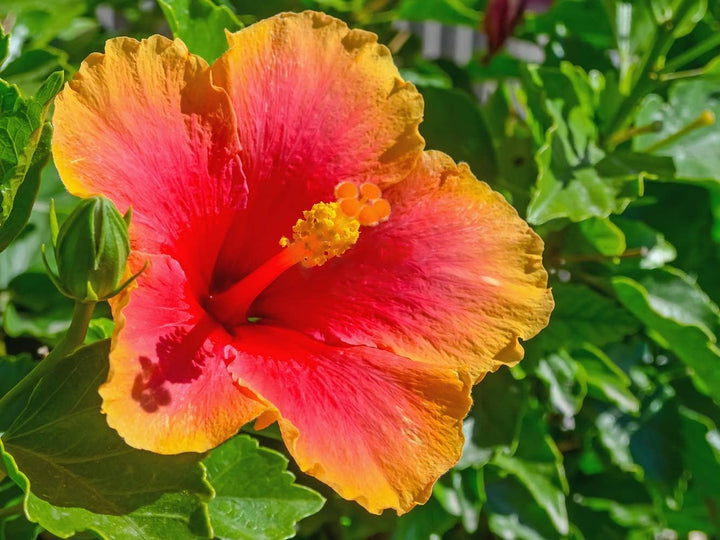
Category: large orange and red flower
<point>308,263</point>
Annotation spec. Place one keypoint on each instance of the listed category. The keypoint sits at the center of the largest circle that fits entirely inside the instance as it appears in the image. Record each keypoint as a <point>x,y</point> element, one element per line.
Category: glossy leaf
<point>201,24</point>
<point>255,497</point>
<point>584,316</point>
<point>27,191</point>
<point>694,153</point>
<point>444,11</point>
<point>566,382</point>
<point>461,494</point>
<point>680,317</point>
<point>512,510</point>
<point>21,122</point>
<point>494,420</point>
<point>466,138</point>
<point>102,478</point>
<point>605,380</point>
<point>647,248</point>
<point>4,42</point>
<point>427,519</point>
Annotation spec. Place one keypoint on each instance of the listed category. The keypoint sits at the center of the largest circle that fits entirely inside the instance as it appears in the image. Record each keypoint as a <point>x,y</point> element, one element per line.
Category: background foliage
<point>606,144</point>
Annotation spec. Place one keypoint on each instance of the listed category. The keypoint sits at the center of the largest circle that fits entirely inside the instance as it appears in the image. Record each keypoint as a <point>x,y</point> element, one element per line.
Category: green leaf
<point>72,484</point>
<point>562,109</point>
<point>571,24</point>
<point>575,192</point>
<point>695,154</point>
<point>702,452</point>
<point>697,513</point>
<point>512,510</point>
<point>566,382</point>
<point>640,25</point>
<point>36,308</point>
<point>42,20</point>
<point>99,329</point>
<point>426,520</point>
<point>537,464</point>
<point>594,524</point>
<point>604,236</point>
<point>445,11</point>
<point>255,497</point>
<point>543,490</point>
<point>426,74</point>
<point>623,497</point>
<point>680,317</point>
<point>702,459</point>
<point>461,494</point>
<point>27,192</point>
<point>652,250</point>
<point>584,316</point>
<point>666,11</point>
<point>466,138</point>
<point>657,447</point>
<point>12,369</point>
<point>4,42</point>
<point>514,147</point>
<point>18,527</point>
<point>632,164</point>
<point>614,435</point>
<point>172,515</point>
<point>595,236</point>
<point>494,420</point>
<point>605,380</point>
<point>32,67</point>
<point>24,253</point>
<point>201,24</point>
<point>21,122</point>
<point>683,214</point>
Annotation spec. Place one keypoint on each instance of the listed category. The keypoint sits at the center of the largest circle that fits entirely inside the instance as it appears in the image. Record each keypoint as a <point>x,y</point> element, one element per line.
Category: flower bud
<point>91,251</point>
<point>502,16</point>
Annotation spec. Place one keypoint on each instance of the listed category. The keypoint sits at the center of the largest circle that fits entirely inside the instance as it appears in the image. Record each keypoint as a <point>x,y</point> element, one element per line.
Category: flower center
<point>324,232</point>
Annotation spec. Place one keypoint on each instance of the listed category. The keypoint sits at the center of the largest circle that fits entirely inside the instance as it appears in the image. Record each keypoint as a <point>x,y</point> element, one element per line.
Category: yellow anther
<point>324,232</point>
<point>328,230</point>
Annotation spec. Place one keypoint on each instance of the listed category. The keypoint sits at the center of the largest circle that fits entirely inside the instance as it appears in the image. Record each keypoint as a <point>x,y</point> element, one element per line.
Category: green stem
<point>629,133</point>
<point>73,338</point>
<point>14,510</point>
<point>645,81</point>
<point>693,53</point>
<point>665,77</point>
<point>706,118</point>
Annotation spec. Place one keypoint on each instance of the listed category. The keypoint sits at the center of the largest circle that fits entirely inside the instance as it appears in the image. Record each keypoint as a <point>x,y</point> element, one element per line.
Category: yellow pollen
<point>324,232</point>
<point>328,230</point>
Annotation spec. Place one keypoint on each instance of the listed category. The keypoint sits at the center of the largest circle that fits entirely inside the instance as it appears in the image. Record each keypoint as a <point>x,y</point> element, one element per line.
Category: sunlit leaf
<point>96,482</point>
<point>201,24</point>
<point>21,121</point>
<point>695,153</point>
<point>680,317</point>
<point>255,497</point>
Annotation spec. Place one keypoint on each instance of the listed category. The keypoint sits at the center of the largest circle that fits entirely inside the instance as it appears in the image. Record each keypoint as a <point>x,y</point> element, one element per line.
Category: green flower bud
<point>91,251</point>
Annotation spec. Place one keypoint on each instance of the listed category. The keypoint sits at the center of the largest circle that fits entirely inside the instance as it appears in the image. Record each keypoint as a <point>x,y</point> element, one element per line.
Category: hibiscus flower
<point>308,263</point>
